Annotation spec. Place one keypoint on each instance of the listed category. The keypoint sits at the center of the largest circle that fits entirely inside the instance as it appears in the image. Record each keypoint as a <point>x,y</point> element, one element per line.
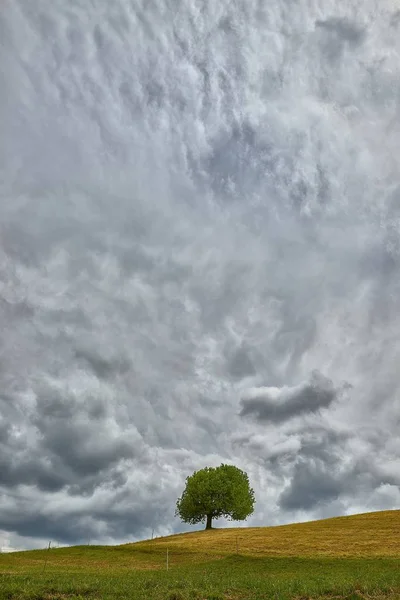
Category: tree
<point>212,493</point>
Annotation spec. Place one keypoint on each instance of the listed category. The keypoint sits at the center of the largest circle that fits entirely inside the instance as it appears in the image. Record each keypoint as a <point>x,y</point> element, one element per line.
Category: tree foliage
<point>215,492</point>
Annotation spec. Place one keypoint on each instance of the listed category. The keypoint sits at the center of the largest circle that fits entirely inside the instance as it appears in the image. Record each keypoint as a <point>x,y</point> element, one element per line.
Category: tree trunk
<point>208,524</point>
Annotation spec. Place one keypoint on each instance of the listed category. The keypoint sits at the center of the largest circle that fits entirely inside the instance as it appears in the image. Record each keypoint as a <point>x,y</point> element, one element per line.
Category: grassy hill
<point>369,534</point>
<point>349,557</point>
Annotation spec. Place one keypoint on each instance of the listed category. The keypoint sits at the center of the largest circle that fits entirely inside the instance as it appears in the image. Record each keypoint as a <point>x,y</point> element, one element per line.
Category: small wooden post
<point>167,560</point>
<point>47,555</point>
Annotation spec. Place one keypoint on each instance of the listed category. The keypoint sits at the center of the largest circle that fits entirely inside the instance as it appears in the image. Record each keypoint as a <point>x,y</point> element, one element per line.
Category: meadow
<point>342,558</point>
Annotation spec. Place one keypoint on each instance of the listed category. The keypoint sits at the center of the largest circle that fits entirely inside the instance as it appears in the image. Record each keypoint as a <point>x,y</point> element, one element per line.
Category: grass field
<point>343,558</point>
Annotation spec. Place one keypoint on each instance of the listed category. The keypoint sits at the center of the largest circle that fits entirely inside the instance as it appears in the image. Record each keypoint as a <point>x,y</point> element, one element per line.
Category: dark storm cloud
<point>240,363</point>
<point>69,442</point>
<point>395,19</point>
<point>318,474</point>
<point>337,34</point>
<point>195,204</point>
<point>310,485</point>
<point>325,464</point>
<point>343,28</point>
<point>103,512</point>
<point>109,519</point>
<point>279,404</point>
<point>323,472</point>
<point>102,367</point>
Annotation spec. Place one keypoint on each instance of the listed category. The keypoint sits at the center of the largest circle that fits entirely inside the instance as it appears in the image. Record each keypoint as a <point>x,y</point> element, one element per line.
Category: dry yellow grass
<point>370,535</point>
<point>364,535</point>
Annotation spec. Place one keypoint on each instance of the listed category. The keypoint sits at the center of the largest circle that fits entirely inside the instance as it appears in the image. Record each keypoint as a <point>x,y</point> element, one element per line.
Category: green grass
<point>203,566</point>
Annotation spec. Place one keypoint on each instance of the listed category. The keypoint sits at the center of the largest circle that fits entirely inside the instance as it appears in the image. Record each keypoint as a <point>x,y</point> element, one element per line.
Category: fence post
<point>47,555</point>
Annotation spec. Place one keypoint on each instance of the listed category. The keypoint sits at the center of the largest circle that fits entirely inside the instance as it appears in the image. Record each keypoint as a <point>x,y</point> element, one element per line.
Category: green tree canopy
<point>212,493</point>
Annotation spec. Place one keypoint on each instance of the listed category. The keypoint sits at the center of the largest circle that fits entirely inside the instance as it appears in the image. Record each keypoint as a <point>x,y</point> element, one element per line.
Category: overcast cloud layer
<point>199,260</point>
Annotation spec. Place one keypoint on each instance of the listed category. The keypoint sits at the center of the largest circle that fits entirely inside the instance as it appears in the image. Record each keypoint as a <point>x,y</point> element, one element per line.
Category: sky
<point>199,261</point>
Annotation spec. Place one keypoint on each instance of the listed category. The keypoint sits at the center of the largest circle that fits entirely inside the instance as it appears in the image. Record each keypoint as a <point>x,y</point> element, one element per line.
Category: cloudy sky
<point>199,260</point>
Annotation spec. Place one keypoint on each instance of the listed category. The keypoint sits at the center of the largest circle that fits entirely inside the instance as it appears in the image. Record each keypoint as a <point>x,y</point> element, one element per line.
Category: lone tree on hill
<point>212,493</point>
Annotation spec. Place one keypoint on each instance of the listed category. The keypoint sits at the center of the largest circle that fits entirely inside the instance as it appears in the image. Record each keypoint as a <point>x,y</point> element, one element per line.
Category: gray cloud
<point>395,19</point>
<point>185,217</point>
<point>325,469</point>
<point>339,34</point>
<point>309,486</point>
<point>278,404</point>
<point>240,363</point>
<point>103,367</point>
<point>343,28</point>
<point>69,442</point>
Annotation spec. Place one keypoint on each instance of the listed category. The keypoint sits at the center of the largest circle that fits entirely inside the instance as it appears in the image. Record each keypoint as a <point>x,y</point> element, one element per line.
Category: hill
<point>347,557</point>
<point>362,535</point>
<point>375,534</point>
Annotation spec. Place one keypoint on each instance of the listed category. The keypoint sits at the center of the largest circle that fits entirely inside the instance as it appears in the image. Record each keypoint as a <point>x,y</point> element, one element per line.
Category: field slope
<point>346,557</point>
<point>364,535</point>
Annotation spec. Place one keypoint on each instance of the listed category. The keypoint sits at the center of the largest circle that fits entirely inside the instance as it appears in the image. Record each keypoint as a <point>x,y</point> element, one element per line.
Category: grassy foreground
<point>343,558</point>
